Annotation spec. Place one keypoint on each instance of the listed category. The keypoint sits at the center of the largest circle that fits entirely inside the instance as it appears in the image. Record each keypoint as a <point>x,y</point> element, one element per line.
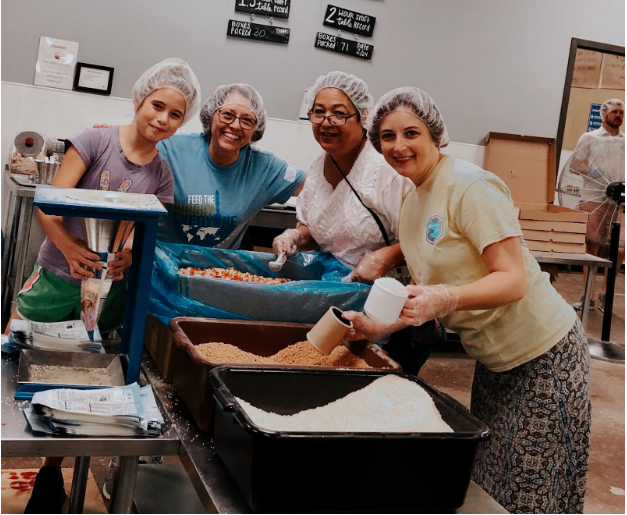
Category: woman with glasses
<point>220,181</point>
<point>345,180</point>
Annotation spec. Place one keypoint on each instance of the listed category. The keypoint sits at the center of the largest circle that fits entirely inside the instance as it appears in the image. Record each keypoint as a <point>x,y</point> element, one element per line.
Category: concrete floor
<point>452,373</point>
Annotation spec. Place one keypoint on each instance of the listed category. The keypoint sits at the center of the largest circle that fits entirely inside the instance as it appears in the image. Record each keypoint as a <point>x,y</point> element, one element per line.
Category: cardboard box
<point>549,246</point>
<point>527,165</point>
<point>547,225</point>
<point>554,236</point>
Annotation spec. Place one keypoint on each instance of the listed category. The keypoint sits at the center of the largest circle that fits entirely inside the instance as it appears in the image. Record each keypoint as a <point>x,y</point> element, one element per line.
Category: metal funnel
<point>100,234</point>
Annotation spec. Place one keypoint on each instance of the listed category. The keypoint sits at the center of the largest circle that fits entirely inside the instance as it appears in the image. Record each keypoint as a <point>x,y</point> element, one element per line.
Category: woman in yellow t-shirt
<point>472,270</point>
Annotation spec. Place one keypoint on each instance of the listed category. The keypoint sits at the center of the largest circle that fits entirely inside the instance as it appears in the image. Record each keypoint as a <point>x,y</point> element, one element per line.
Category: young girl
<point>123,158</point>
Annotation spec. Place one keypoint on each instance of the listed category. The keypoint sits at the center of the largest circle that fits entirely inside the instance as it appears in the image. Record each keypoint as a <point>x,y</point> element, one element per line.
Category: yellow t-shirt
<point>445,225</point>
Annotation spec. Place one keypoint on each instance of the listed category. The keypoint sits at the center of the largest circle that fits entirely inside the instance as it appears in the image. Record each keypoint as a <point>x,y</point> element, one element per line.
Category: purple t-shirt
<point>107,169</point>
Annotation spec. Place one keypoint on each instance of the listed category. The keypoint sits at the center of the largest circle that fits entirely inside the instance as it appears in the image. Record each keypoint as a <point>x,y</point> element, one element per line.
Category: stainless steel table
<point>19,440</point>
<point>218,493</point>
<point>19,221</point>
<point>592,262</point>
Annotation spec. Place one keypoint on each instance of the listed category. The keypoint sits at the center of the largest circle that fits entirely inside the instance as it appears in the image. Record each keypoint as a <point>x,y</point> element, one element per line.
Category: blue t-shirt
<point>213,204</point>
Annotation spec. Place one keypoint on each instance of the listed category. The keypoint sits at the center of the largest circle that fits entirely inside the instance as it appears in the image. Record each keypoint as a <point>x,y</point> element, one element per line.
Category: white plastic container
<point>386,300</point>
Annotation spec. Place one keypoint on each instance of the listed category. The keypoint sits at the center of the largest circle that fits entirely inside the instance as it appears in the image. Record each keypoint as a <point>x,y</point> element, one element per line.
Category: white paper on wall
<point>56,62</point>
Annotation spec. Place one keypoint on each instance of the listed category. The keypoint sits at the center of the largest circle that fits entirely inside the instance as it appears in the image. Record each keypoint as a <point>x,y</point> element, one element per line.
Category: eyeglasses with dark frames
<point>228,117</point>
<point>334,119</point>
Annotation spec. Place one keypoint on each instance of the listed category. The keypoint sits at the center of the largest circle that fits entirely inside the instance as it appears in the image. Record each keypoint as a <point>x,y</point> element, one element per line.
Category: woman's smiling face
<point>336,139</point>
<point>232,137</point>
<point>407,145</point>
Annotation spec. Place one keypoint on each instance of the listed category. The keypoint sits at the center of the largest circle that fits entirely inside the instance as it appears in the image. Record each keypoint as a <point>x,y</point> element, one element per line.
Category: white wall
<point>492,65</point>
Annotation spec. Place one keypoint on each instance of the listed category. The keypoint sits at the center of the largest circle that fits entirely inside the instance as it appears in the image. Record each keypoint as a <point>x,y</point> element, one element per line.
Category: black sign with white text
<point>278,8</point>
<point>344,46</point>
<point>350,21</point>
<point>257,32</point>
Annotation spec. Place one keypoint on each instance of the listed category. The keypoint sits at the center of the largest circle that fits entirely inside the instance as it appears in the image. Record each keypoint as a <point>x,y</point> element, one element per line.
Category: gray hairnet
<point>609,105</point>
<point>217,98</point>
<point>170,73</point>
<point>354,88</point>
<point>412,100</point>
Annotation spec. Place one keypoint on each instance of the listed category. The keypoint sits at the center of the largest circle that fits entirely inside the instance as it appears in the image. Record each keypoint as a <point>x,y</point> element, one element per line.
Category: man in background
<point>596,150</point>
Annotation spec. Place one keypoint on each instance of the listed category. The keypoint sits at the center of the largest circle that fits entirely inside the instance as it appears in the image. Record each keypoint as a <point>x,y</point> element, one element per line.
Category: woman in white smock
<point>348,175</point>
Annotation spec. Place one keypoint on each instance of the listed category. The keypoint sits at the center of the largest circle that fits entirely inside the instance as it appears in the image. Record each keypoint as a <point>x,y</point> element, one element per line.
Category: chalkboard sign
<point>349,21</point>
<point>278,8</point>
<point>344,46</point>
<point>248,30</point>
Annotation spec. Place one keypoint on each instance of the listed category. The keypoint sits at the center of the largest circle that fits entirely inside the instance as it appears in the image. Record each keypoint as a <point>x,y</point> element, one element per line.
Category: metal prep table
<point>19,221</point>
<point>19,441</point>
<point>218,493</point>
<point>592,262</point>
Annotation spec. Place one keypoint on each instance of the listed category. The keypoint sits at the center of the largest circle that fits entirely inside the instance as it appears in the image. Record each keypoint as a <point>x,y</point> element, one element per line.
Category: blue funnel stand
<point>53,201</point>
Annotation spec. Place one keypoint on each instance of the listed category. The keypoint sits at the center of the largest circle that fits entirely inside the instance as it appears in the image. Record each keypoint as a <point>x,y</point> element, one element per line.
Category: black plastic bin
<point>336,472</point>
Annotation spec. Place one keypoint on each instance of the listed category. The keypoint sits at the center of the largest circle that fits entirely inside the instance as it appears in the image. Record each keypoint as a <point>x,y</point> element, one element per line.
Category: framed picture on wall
<point>93,78</point>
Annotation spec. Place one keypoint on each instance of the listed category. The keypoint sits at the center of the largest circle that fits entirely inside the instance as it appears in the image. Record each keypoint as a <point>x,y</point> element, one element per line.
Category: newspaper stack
<point>71,336</point>
<point>128,410</point>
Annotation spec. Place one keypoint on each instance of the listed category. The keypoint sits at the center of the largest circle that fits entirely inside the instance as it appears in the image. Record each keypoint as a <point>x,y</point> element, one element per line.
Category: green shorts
<point>48,298</point>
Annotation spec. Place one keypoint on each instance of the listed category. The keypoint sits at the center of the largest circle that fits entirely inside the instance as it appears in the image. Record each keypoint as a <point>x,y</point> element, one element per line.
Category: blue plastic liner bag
<point>316,285</point>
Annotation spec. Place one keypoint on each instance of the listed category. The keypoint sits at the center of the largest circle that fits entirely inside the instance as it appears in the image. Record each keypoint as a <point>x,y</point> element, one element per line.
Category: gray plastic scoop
<point>278,263</point>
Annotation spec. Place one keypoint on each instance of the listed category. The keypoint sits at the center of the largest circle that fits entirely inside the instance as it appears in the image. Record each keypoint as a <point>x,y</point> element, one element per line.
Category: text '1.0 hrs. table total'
<point>277,8</point>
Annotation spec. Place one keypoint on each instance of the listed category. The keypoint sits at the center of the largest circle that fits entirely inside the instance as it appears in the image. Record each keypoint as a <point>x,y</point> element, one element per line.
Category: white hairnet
<point>412,100</point>
<point>609,105</point>
<point>217,98</point>
<point>170,73</point>
<point>354,88</point>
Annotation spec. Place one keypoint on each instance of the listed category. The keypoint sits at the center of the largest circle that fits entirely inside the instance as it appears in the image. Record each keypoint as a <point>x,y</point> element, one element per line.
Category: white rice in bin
<point>392,285</point>
<point>390,404</point>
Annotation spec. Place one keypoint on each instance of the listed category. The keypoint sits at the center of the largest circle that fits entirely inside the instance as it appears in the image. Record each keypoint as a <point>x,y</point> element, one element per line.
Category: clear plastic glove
<point>370,267</point>
<point>365,328</point>
<point>595,172</point>
<point>287,242</point>
<point>429,302</point>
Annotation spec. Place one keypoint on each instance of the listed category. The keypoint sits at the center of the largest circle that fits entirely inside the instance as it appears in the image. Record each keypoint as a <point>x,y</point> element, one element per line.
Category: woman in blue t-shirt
<point>220,181</point>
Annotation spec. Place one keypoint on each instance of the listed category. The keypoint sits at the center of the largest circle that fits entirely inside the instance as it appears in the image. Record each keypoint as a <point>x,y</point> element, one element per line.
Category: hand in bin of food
<point>287,243</point>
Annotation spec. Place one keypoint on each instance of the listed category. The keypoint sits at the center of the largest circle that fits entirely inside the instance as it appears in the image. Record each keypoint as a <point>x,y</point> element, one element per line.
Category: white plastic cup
<point>386,300</point>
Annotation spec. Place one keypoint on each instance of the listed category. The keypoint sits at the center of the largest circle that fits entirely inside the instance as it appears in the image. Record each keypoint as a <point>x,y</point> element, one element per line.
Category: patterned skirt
<point>536,459</point>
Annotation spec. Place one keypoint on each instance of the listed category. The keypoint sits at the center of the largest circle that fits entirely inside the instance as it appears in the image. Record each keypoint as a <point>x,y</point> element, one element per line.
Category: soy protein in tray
<point>301,353</point>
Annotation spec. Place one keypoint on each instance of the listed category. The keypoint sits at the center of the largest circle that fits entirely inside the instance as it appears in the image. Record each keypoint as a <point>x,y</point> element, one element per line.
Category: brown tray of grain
<point>262,340</point>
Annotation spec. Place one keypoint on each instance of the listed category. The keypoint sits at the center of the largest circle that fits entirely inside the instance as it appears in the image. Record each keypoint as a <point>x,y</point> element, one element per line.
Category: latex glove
<point>370,267</point>
<point>119,264</point>
<point>428,302</point>
<point>595,172</point>
<point>287,242</point>
<point>365,328</point>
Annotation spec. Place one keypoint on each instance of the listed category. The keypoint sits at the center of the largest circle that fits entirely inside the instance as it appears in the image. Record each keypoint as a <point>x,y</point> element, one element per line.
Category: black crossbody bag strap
<point>374,215</point>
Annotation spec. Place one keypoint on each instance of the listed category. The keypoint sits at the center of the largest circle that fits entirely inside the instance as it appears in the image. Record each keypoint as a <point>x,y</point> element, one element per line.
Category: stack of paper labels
<point>128,410</point>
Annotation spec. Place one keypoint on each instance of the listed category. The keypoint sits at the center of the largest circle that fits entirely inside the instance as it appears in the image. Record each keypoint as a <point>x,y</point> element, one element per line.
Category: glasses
<point>334,119</point>
<point>245,122</point>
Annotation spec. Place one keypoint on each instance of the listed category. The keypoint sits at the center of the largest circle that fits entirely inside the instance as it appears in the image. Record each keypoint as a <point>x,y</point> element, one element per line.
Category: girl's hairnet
<point>412,100</point>
<point>354,88</point>
<point>217,98</point>
<point>609,105</point>
<point>170,73</point>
